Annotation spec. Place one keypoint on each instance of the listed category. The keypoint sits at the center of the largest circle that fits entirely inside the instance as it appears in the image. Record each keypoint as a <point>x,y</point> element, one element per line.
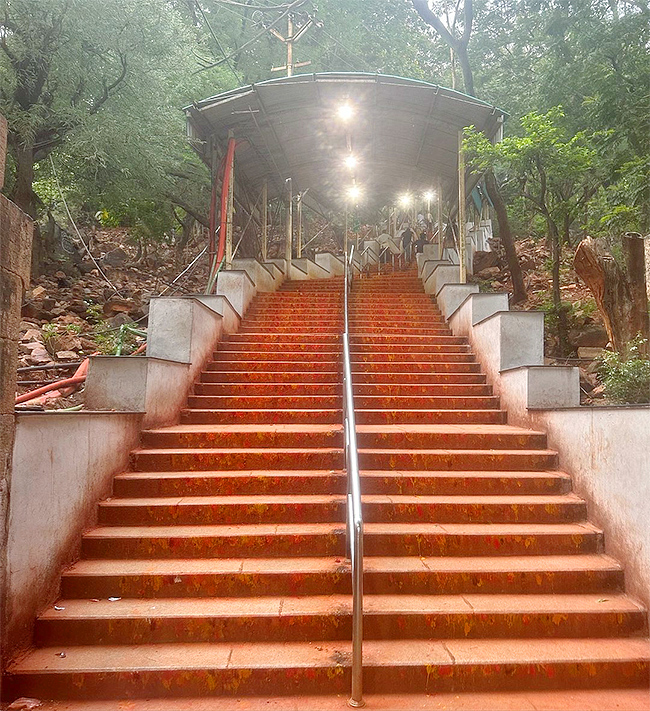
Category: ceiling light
<point>345,112</point>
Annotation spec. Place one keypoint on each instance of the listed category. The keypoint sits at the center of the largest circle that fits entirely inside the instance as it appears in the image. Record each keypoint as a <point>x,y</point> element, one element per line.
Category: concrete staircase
<point>218,567</point>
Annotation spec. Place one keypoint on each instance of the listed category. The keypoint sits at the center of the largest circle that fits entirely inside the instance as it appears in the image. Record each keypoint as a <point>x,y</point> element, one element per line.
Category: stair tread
<point>380,653</point>
<point>274,427</point>
<point>268,499</point>
<point>327,528</point>
<point>251,473</point>
<point>340,604</point>
<point>372,564</point>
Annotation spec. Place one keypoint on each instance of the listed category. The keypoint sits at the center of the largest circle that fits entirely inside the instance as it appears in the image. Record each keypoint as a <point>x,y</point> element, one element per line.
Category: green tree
<point>555,173</point>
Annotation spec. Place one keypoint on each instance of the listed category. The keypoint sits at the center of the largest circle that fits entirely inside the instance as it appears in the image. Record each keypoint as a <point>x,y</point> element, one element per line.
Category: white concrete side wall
<point>63,464</point>
<point>606,450</point>
<point>237,285</point>
<point>314,270</point>
<point>156,387</point>
<point>219,303</point>
<point>263,276</point>
<point>333,264</point>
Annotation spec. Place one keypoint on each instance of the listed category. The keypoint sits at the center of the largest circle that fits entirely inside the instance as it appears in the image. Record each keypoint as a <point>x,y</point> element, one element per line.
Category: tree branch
<point>425,12</point>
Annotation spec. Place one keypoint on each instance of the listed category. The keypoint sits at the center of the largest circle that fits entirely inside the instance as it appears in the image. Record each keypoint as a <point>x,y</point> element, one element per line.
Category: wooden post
<point>265,219</point>
<point>16,234</point>
<point>229,211</point>
<point>462,244</point>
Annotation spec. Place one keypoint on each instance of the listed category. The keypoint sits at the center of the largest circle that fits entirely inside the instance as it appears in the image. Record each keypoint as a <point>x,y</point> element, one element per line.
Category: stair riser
<point>440,440</point>
<point>395,351</point>
<point>335,626</point>
<point>308,365</point>
<point>237,460</point>
<point>274,402</point>
<point>203,547</point>
<point>406,402</point>
<point>329,680</point>
<point>268,389</point>
<point>268,376</point>
<point>262,417</point>
<point>296,337</point>
<point>429,417</point>
<point>305,329</point>
<point>230,484</point>
<point>408,361</point>
<point>455,461</point>
<point>226,514</point>
<point>411,369</point>
<point>448,377</point>
<point>375,544</point>
<point>236,584</point>
<point>245,356</point>
<point>377,338</point>
<point>469,545</point>
<point>463,484</point>
<point>399,390</point>
<point>240,440</point>
<point>474,513</point>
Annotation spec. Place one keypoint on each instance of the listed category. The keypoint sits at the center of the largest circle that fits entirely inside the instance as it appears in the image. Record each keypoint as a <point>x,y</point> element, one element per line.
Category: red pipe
<point>225,189</point>
<point>52,386</point>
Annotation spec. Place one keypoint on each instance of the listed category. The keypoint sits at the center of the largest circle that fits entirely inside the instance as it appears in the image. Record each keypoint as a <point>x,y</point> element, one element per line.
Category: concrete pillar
<point>16,231</point>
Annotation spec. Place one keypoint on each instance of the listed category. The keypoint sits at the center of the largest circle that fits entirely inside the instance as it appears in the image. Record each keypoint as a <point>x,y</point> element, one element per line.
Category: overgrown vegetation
<point>626,377</point>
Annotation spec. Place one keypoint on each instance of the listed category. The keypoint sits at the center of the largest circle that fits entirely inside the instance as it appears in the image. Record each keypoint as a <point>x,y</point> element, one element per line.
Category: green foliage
<point>626,378</point>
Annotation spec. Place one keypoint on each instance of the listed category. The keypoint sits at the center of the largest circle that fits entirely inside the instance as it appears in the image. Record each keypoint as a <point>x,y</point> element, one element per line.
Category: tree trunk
<point>468,77</point>
<point>620,297</point>
<point>518,288</point>
<point>23,192</point>
<point>558,307</point>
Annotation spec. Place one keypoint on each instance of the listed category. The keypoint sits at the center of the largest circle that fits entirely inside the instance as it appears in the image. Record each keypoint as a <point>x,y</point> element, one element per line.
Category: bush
<point>626,377</point>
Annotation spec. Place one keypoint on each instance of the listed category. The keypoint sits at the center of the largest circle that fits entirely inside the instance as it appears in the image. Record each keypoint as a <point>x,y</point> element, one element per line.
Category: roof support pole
<point>345,232</point>
<point>299,235</point>
<point>441,240</point>
<point>230,207</point>
<point>288,246</point>
<point>462,221</point>
<point>265,218</point>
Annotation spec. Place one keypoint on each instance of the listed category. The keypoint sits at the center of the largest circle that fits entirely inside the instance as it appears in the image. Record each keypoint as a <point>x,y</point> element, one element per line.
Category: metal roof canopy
<point>404,133</point>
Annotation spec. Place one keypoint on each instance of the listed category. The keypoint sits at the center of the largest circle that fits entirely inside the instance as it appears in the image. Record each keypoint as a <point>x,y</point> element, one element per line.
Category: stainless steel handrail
<point>354,513</point>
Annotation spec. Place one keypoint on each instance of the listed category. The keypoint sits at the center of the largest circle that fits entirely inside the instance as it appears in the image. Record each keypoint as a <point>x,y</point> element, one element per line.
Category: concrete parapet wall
<point>312,269</point>
<point>63,464</point>
<point>219,303</point>
<point>238,286</point>
<point>332,263</point>
<point>606,450</point>
<point>451,296</point>
<point>264,277</point>
<point>156,387</point>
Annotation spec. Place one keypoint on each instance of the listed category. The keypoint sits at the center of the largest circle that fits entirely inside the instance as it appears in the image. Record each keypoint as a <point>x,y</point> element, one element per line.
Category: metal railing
<point>354,514</point>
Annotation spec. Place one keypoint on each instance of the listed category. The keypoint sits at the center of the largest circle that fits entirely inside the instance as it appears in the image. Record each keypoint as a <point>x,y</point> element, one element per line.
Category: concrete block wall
<point>606,450</point>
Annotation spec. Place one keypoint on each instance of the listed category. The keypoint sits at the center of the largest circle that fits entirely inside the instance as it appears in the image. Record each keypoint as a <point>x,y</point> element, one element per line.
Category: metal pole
<point>461,209</point>
<point>288,246</point>
<point>299,235</point>
<point>345,234</point>
<point>441,240</point>
<point>265,218</point>
<point>229,210</point>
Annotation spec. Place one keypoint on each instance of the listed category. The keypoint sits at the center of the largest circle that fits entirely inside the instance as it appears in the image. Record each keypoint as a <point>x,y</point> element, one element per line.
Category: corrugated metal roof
<point>404,133</point>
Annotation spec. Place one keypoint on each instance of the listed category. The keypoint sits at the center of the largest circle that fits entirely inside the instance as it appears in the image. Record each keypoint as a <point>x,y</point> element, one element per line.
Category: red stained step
<point>235,459</point>
<point>229,483</point>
